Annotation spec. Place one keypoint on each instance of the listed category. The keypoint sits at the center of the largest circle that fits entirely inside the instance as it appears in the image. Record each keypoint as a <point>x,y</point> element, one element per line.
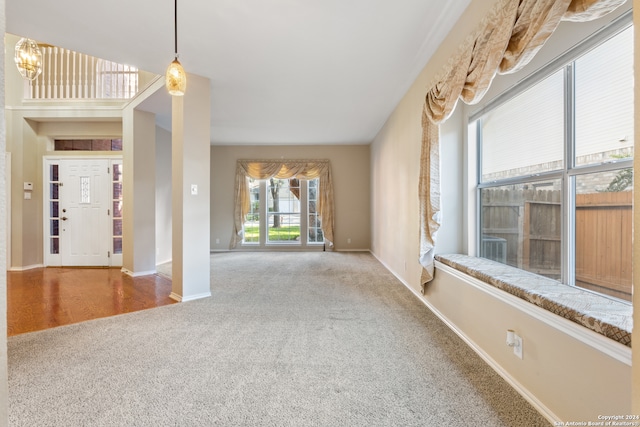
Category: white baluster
<point>73,77</point>
<point>55,72</point>
<point>86,77</point>
<point>48,50</point>
<point>26,89</point>
<point>98,74</point>
<point>93,76</point>
<point>126,80</point>
<point>110,79</point>
<point>119,77</point>
<point>36,89</point>
<point>68,73</point>
<point>61,81</point>
<point>80,93</point>
<point>116,77</point>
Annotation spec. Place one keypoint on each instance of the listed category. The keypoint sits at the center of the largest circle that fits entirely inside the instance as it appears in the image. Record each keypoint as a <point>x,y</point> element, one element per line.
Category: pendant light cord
<point>175,26</point>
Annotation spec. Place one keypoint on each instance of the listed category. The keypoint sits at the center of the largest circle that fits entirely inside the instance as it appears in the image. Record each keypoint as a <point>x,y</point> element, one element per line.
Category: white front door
<point>78,199</point>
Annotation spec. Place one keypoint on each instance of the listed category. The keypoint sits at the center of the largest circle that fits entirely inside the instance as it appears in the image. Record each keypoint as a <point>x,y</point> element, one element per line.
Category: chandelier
<point>28,58</point>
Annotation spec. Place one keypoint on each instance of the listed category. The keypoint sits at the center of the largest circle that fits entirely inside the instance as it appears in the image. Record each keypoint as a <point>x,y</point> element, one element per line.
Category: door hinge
<point>108,169</point>
<point>108,212</point>
<point>108,254</point>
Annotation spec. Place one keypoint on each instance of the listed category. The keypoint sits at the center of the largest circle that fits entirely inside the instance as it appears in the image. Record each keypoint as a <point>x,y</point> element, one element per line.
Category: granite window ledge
<point>600,314</point>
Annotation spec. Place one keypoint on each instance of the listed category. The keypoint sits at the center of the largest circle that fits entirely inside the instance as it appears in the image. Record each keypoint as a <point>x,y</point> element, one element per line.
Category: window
<point>117,201</point>
<point>555,168</point>
<point>282,212</point>
<point>87,144</point>
<point>115,80</point>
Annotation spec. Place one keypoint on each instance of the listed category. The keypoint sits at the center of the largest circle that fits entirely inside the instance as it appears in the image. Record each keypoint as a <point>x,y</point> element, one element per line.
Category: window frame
<point>570,171</point>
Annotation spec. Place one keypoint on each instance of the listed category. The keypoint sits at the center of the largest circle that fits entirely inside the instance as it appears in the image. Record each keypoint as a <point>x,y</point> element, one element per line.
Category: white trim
<point>31,105</point>
<point>591,338</point>
<point>180,298</point>
<point>7,173</point>
<point>100,156</point>
<point>26,267</point>
<point>273,248</point>
<point>356,250</point>
<point>137,273</point>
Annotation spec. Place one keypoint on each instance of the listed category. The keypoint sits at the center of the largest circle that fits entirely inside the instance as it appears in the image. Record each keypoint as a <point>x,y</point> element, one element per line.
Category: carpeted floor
<point>287,339</point>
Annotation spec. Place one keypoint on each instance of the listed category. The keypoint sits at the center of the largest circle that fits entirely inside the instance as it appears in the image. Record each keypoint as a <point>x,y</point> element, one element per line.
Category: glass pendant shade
<point>176,78</point>
<point>28,58</point>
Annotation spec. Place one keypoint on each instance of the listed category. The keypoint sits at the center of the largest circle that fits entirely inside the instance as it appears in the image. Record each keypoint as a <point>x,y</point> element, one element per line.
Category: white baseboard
<point>25,267</point>
<point>138,273</point>
<point>523,391</point>
<point>181,298</point>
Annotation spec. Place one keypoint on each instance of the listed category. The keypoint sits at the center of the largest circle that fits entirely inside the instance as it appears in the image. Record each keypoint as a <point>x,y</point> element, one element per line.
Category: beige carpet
<point>287,339</point>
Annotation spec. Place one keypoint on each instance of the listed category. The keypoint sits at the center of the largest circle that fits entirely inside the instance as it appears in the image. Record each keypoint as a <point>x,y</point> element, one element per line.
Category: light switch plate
<point>517,349</point>
<point>194,189</point>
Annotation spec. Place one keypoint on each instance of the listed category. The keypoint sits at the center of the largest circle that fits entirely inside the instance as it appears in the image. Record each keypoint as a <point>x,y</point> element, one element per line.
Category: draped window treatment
<point>283,169</point>
<point>507,39</point>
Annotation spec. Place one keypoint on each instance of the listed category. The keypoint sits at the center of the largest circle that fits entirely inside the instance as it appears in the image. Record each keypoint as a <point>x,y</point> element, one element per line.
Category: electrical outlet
<point>349,240</point>
<point>217,241</point>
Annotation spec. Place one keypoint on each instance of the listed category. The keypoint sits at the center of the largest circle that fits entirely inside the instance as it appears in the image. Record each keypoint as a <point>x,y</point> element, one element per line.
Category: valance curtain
<point>283,169</point>
<point>507,39</point>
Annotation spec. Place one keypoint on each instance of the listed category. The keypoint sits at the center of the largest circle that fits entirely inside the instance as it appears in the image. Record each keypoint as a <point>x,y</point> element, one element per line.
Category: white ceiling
<point>281,71</point>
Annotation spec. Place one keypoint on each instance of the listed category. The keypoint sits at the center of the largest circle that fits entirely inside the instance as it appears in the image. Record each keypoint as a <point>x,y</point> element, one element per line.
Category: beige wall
<point>163,196</point>
<point>395,160</point>
<point>350,171</point>
<point>481,319</point>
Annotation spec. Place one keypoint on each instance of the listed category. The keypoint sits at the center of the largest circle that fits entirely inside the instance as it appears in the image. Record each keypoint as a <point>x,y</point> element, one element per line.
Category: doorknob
<point>64,218</point>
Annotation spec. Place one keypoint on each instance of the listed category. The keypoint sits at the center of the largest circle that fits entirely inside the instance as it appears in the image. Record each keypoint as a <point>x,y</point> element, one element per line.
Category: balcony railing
<point>71,75</point>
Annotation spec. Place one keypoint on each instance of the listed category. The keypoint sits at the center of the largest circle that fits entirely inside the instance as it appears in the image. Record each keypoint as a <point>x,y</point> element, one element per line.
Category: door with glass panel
<point>83,212</point>
<point>283,213</point>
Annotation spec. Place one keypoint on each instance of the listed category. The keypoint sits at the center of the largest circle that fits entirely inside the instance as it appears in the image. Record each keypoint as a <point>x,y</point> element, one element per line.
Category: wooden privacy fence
<point>603,242</point>
<point>522,228</point>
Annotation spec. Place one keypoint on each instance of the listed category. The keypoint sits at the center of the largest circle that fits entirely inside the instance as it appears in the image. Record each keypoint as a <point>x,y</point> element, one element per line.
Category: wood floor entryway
<point>44,298</point>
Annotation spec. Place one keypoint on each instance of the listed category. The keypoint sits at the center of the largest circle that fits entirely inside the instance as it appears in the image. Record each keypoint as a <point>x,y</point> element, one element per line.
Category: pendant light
<point>28,58</point>
<point>176,78</point>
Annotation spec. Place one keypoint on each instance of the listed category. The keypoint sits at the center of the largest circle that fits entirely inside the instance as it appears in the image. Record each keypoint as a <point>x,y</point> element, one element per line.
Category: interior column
<point>190,150</point>
<point>139,192</point>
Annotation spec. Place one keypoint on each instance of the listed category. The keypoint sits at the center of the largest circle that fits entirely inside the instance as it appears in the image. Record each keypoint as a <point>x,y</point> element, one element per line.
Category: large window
<point>283,212</point>
<point>555,169</point>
